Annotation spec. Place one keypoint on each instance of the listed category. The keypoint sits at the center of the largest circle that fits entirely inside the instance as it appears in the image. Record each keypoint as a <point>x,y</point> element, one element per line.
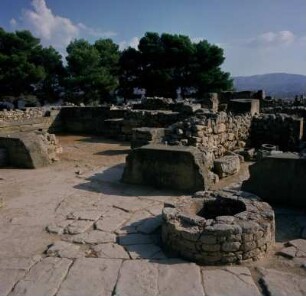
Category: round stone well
<point>219,227</point>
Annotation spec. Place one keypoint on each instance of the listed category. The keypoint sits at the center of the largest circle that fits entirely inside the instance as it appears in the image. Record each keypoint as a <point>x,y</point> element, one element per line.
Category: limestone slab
<point>44,278</point>
<point>300,244</point>
<point>110,250</point>
<point>283,283</point>
<point>179,278</point>
<point>64,250</point>
<point>112,220</point>
<point>137,278</point>
<point>17,263</point>
<point>8,279</point>
<point>91,277</point>
<point>93,237</point>
<point>12,270</point>
<point>236,281</point>
<point>145,251</point>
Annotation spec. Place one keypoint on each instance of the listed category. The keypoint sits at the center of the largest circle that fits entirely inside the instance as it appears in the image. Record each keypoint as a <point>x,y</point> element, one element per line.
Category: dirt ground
<point>87,177</point>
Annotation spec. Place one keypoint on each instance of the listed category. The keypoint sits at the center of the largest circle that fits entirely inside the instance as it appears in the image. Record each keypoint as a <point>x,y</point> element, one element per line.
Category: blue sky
<point>261,36</point>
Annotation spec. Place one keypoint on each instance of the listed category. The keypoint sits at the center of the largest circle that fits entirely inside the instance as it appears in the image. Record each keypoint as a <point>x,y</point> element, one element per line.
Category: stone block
<point>227,165</point>
<point>279,179</point>
<point>180,168</point>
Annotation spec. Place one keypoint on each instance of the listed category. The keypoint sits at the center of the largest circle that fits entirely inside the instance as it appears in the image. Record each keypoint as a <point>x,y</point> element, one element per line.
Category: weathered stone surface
<point>91,215</point>
<point>283,283</point>
<point>227,165</point>
<point>93,237</point>
<point>91,277</point>
<point>64,250</point>
<point>300,244</point>
<point>8,278</point>
<point>112,220</point>
<point>78,226</point>
<point>180,168</point>
<point>230,281</point>
<point>135,239</point>
<point>173,276</point>
<point>110,250</point>
<point>58,227</point>
<point>287,186</point>
<point>150,225</point>
<point>43,279</point>
<point>288,252</point>
<point>11,271</point>
<point>145,251</point>
<point>137,278</point>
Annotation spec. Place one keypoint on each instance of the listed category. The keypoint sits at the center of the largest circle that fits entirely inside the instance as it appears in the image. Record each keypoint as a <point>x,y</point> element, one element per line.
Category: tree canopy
<point>25,66</point>
<point>165,63</point>
<point>162,65</point>
<point>92,69</point>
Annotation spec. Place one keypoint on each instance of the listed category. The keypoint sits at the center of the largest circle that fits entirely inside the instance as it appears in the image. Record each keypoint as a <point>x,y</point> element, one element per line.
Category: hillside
<point>280,85</point>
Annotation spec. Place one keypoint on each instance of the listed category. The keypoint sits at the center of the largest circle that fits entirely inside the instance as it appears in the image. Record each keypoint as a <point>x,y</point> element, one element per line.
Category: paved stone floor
<point>72,229</point>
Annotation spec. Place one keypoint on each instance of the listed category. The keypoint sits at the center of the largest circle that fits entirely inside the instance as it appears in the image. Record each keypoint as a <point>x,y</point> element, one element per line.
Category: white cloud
<point>272,39</point>
<point>132,43</point>
<point>13,23</point>
<point>52,29</point>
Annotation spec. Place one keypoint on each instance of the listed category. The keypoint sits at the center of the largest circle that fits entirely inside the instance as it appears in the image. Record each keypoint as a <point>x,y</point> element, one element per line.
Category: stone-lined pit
<point>219,227</point>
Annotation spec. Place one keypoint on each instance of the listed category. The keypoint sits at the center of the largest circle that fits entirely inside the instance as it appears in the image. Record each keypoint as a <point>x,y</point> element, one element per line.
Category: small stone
<point>208,239</point>
<point>231,246</point>
<point>58,227</point>
<point>288,252</point>
<point>64,250</point>
<point>78,226</point>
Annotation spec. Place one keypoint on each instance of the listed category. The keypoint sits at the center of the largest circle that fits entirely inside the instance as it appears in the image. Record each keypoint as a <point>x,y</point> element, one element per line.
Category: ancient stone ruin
<point>219,228</point>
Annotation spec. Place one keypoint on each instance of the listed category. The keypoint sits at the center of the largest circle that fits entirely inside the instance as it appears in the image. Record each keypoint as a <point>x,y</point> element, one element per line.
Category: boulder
<point>227,165</point>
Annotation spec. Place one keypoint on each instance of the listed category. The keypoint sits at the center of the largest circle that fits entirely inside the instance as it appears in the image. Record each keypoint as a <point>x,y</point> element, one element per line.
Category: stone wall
<point>30,119</point>
<point>218,132</point>
<point>282,130</point>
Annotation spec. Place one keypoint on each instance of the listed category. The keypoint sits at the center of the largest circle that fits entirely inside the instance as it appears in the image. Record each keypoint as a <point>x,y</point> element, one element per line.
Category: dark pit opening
<point>221,207</point>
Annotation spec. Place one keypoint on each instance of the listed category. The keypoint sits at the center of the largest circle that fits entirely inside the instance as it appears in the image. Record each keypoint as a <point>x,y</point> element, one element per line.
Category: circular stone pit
<point>222,227</point>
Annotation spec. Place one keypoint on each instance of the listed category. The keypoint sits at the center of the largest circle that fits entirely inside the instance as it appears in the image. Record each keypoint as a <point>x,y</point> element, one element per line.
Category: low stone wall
<point>219,228</point>
<point>122,128</point>
<point>282,130</point>
<point>31,119</point>
<point>219,132</point>
<point>90,120</point>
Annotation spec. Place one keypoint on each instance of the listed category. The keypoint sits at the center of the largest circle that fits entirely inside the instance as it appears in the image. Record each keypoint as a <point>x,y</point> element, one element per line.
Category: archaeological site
<point>159,197</point>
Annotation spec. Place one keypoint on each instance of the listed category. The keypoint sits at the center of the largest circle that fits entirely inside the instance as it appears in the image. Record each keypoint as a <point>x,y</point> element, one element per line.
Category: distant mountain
<point>279,85</point>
